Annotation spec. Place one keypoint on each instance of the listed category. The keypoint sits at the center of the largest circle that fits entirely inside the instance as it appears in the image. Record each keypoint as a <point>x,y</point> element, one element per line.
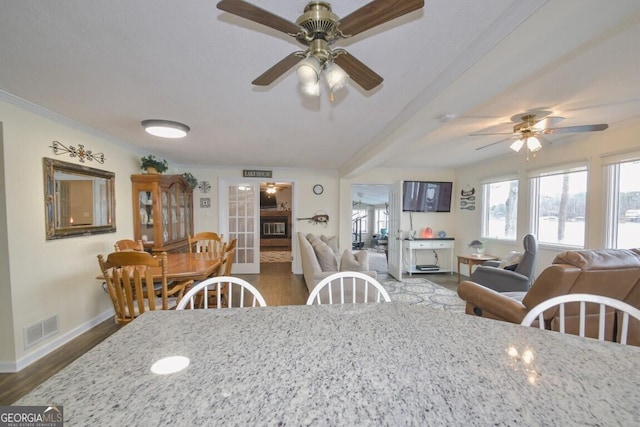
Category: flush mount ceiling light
<point>271,188</point>
<point>165,128</point>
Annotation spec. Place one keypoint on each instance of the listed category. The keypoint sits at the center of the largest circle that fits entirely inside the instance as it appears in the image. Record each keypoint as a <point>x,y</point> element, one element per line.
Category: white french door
<point>239,204</point>
<point>394,241</point>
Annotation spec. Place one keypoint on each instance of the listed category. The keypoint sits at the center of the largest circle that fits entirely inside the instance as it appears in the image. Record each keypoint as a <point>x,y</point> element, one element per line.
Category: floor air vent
<point>41,330</point>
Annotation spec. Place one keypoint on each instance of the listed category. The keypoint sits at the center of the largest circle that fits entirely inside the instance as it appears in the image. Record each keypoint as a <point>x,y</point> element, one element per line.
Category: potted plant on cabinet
<point>151,164</point>
<point>191,180</point>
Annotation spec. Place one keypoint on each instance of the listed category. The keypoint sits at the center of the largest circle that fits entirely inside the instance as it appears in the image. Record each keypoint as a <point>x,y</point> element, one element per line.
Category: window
<point>382,220</point>
<point>558,200</point>
<point>500,209</point>
<point>359,219</point>
<point>623,213</point>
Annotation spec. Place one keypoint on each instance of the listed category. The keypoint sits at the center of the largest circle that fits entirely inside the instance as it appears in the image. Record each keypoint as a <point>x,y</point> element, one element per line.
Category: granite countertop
<point>380,364</point>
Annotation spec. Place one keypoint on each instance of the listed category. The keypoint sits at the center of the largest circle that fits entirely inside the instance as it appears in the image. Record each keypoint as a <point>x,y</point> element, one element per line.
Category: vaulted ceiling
<point>450,69</point>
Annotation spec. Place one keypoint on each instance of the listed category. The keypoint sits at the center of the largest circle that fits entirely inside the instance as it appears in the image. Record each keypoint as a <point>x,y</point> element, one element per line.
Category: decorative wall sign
<point>205,202</point>
<point>204,186</point>
<point>80,152</point>
<point>251,173</point>
<point>468,198</point>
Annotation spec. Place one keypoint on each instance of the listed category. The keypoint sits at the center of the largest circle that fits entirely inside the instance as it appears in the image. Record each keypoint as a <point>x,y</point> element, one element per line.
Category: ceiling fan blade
<point>254,13</point>
<point>269,76</point>
<point>583,128</point>
<point>358,72</point>
<point>375,13</point>
<point>493,143</point>
<point>492,133</point>
<point>547,122</point>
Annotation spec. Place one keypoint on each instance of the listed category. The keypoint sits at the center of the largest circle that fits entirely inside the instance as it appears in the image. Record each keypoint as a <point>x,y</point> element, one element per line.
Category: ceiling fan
<point>533,124</point>
<point>318,28</point>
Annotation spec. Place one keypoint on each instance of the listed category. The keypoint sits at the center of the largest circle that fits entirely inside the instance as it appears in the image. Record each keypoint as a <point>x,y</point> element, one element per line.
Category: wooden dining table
<point>187,266</point>
<point>353,364</point>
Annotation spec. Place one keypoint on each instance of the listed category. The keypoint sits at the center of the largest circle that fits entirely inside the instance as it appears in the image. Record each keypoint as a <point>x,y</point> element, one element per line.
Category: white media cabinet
<point>408,246</point>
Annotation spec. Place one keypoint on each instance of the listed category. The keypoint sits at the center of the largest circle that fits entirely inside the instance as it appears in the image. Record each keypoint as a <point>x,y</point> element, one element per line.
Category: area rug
<point>420,291</point>
<point>275,256</point>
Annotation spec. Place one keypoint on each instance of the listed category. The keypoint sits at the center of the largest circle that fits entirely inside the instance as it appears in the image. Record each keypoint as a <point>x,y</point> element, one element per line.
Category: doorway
<point>370,222</point>
<point>276,228</point>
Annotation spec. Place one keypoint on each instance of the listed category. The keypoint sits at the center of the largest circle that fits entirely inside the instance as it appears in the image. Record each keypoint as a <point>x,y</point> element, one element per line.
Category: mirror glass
<point>79,200</point>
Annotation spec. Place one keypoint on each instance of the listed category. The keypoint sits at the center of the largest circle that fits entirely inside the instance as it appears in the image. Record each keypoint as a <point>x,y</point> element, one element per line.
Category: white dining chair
<point>232,287</point>
<point>537,313</point>
<point>349,287</point>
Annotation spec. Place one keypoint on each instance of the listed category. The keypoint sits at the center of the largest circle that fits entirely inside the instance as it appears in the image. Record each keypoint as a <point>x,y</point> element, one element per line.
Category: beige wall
<point>7,345</point>
<point>592,147</point>
<point>436,220</point>
<point>41,278</point>
<point>304,203</point>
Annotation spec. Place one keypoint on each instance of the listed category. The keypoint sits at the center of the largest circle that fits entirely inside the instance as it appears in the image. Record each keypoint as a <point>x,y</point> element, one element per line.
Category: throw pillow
<point>354,261</point>
<point>326,257</point>
<point>331,241</point>
<point>513,258</point>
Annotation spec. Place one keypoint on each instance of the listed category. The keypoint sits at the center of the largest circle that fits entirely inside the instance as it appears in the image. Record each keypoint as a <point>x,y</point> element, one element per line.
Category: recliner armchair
<point>500,280</point>
<point>610,272</point>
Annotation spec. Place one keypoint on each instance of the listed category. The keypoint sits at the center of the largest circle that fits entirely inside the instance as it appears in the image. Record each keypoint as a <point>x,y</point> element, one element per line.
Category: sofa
<point>610,272</point>
<point>319,258</point>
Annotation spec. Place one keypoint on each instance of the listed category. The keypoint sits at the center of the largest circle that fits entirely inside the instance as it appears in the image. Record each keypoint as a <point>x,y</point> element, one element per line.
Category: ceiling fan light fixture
<point>311,90</point>
<point>517,145</point>
<point>165,128</point>
<point>308,71</point>
<point>335,76</point>
<point>533,144</point>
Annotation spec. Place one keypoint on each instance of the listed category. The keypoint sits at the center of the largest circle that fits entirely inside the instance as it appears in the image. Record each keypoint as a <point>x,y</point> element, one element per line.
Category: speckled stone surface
<point>368,364</point>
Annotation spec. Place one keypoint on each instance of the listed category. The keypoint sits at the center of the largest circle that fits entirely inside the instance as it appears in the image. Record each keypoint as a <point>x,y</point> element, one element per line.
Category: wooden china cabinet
<point>162,212</point>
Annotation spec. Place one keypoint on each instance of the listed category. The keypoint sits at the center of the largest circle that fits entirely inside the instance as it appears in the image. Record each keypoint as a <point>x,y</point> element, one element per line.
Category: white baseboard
<point>12,367</point>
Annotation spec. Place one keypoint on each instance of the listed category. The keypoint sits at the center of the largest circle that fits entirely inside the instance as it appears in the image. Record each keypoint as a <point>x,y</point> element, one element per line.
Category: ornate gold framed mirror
<point>78,200</point>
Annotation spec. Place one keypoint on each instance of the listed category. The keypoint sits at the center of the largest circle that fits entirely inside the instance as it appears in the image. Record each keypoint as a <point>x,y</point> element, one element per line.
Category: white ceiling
<point>108,65</point>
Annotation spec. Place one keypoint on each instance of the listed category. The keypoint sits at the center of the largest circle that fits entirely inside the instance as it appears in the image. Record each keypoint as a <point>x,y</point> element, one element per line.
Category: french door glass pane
<point>241,219</point>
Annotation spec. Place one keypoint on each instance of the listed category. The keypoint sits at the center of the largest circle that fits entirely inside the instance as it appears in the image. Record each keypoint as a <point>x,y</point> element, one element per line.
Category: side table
<point>472,260</point>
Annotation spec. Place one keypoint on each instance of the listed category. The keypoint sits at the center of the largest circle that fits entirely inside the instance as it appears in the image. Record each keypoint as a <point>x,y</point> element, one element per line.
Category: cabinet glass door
<point>165,216</point>
<point>146,216</point>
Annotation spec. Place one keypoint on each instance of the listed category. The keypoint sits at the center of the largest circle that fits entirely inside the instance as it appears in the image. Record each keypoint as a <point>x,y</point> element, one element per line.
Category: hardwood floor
<point>14,386</point>
<point>276,283</point>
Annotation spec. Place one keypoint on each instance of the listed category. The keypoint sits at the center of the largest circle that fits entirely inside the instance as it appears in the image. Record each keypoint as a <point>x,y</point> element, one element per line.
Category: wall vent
<point>35,333</point>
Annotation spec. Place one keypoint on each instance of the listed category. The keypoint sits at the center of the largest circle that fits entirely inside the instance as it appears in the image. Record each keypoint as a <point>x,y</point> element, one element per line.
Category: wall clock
<point>318,189</point>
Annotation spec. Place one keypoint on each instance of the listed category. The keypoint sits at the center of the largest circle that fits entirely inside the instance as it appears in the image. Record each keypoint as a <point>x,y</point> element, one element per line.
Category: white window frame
<point>611,165</point>
<point>486,214</point>
<point>381,220</point>
<point>365,223</point>
<point>534,201</point>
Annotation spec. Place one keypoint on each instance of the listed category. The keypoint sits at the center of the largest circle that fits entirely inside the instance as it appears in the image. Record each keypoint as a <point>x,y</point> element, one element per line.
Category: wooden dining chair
<point>239,292</point>
<point>130,283</point>
<point>229,254</point>
<point>128,244</point>
<point>606,305</point>
<point>348,287</point>
<point>206,241</point>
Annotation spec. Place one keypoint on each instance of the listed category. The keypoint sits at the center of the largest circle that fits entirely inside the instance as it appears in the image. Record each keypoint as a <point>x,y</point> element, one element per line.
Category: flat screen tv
<point>426,196</point>
<point>268,201</point>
